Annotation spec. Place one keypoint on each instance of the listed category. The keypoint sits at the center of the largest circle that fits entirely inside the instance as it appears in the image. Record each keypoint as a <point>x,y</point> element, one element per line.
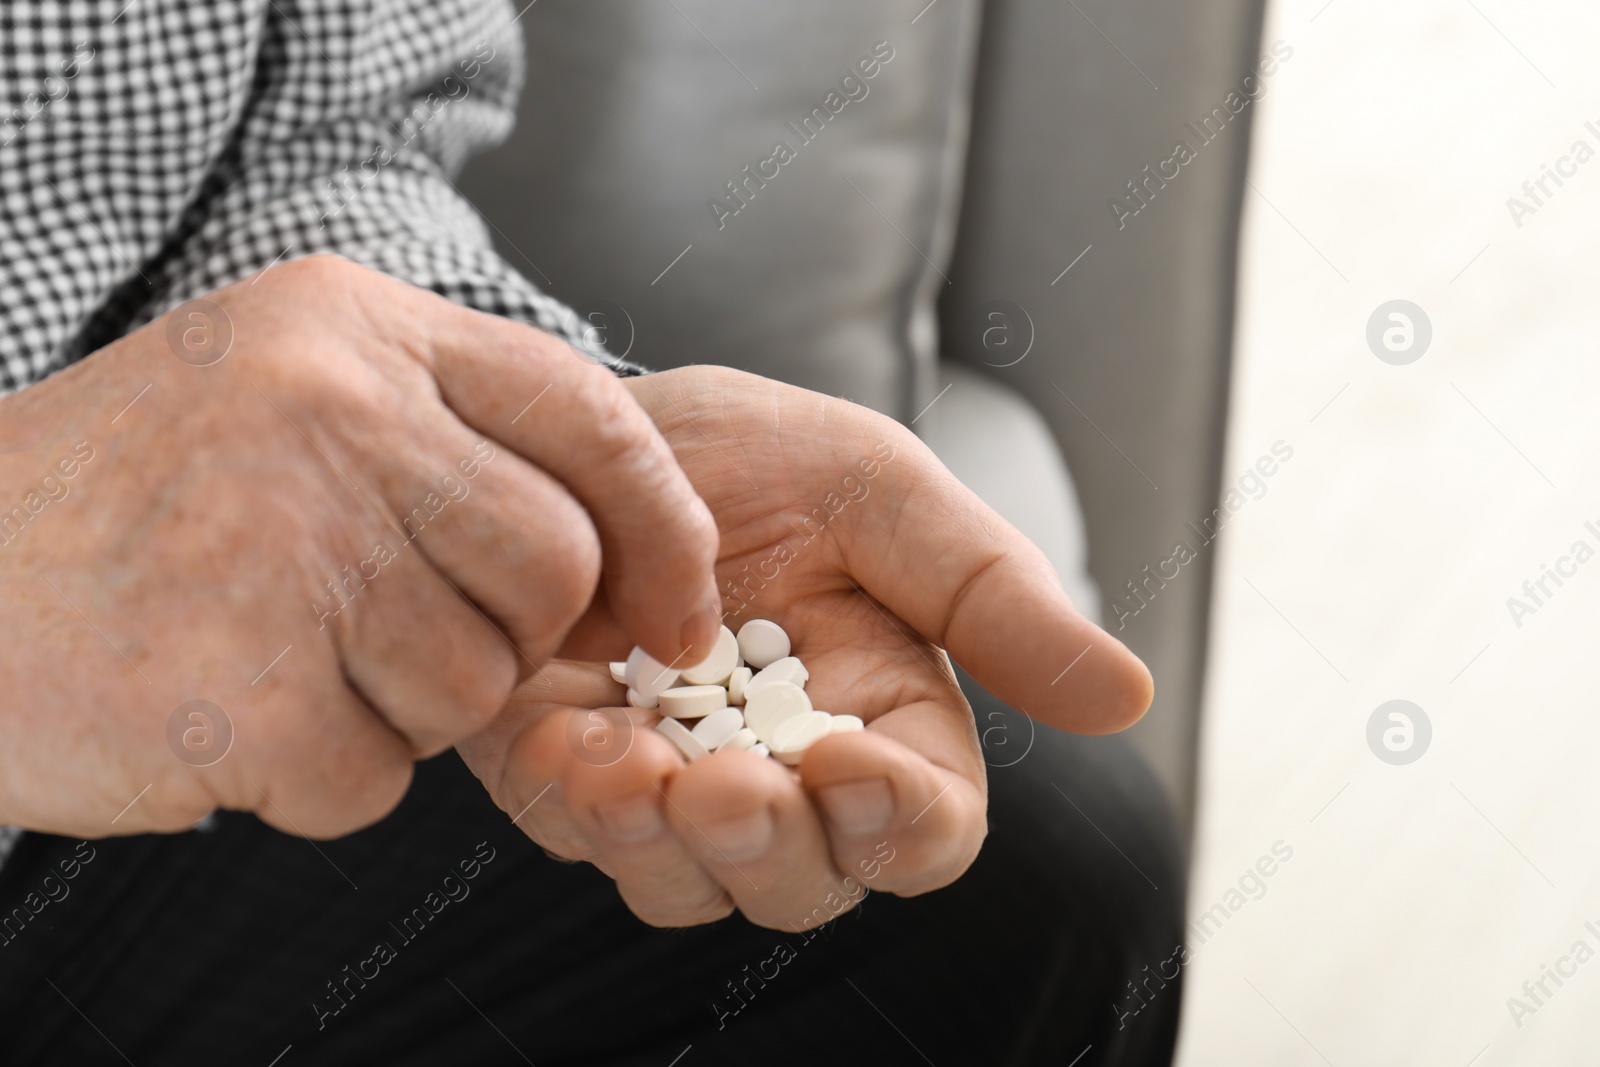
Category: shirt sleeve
<point>358,120</point>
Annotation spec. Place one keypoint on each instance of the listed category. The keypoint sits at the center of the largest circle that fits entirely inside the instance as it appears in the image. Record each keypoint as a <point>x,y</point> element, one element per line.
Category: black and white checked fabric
<point>154,150</point>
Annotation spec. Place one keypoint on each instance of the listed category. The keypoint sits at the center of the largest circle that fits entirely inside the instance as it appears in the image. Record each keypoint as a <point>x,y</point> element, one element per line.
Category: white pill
<point>760,749</point>
<point>743,740</point>
<point>762,642</point>
<point>639,700</point>
<point>715,668</point>
<point>797,733</point>
<point>718,728</point>
<point>772,705</point>
<point>649,675</point>
<point>845,724</point>
<point>738,681</point>
<point>693,701</point>
<point>619,672</point>
<point>787,669</point>
<point>686,742</point>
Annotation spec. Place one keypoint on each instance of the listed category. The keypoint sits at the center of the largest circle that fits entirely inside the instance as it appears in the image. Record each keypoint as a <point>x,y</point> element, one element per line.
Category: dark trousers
<point>443,936</point>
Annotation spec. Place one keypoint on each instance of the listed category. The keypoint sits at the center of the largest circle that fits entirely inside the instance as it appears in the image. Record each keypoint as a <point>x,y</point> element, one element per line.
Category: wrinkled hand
<point>842,527</point>
<point>312,533</point>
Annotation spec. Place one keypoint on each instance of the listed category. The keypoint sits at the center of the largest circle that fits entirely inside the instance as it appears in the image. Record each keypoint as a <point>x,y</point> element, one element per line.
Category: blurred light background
<point>1420,897</point>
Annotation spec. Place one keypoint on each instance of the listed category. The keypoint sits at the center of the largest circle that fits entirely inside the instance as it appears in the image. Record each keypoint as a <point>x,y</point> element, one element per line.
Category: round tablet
<point>718,728</point>
<point>715,668</point>
<point>637,699</point>
<point>762,642</point>
<point>773,704</point>
<point>760,749</point>
<point>686,742</point>
<point>844,724</point>
<point>737,681</point>
<point>619,672</point>
<point>797,733</point>
<point>693,701</point>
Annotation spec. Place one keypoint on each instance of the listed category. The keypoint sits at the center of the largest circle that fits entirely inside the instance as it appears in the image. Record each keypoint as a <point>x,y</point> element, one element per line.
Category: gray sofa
<point>915,205</point>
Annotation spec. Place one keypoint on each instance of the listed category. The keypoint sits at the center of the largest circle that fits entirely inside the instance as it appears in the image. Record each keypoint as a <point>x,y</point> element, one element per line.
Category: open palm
<point>838,524</point>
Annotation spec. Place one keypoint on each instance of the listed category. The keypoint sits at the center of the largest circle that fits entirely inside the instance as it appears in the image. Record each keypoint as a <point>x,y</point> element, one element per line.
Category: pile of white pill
<point>748,695</point>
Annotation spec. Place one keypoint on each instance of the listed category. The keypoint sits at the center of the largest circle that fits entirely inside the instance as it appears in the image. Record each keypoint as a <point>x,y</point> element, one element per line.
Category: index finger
<point>964,578</point>
<point>575,419</point>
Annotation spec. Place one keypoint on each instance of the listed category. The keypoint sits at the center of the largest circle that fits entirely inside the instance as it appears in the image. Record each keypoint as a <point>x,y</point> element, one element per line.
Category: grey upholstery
<point>632,123</point>
<point>637,112</point>
<point>1131,346</point>
<point>1001,448</point>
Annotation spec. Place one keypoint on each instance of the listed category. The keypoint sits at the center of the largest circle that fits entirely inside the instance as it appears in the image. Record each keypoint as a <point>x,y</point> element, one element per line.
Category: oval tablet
<point>774,704</point>
<point>693,701</point>
<point>798,733</point>
<point>737,681</point>
<point>762,642</point>
<point>718,728</point>
<point>743,740</point>
<point>787,669</point>
<point>686,742</point>
<point>715,668</point>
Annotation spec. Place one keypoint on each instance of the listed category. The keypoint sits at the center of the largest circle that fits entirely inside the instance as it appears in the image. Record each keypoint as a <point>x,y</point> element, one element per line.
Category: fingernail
<point>744,838</point>
<point>635,820</point>
<point>858,807</point>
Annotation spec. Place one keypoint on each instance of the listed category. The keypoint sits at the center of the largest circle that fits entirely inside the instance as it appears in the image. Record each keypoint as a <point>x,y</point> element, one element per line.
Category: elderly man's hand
<point>842,527</point>
<point>353,534</point>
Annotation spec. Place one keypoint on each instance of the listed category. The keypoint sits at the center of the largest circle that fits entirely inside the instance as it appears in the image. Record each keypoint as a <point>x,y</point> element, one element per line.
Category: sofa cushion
<point>772,189</point>
<point>1001,448</point>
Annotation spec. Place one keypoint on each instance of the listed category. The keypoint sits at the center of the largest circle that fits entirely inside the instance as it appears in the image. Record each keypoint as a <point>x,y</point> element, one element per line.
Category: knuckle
<point>379,791</point>
<point>481,680</point>
<point>358,783</point>
<point>622,432</point>
<point>573,573</point>
<point>658,911</point>
<point>319,268</point>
